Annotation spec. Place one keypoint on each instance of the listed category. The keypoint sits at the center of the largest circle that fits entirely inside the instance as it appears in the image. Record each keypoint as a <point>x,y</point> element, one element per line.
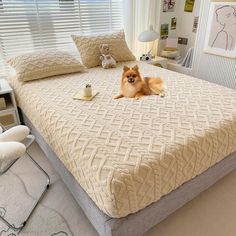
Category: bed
<point>130,163</point>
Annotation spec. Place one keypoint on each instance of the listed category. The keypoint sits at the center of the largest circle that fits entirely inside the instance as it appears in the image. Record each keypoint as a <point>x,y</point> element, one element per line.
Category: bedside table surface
<point>157,59</point>
<point>4,87</point>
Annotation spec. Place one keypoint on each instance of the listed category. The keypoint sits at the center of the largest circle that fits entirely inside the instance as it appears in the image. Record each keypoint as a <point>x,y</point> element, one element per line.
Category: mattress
<point>129,153</point>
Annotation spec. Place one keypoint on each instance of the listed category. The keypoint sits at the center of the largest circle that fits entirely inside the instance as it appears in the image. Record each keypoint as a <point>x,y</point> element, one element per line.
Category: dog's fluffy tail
<point>156,85</point>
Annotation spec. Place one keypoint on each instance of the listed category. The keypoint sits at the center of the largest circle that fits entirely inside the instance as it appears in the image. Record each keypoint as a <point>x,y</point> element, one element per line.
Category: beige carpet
<point>212,213</point>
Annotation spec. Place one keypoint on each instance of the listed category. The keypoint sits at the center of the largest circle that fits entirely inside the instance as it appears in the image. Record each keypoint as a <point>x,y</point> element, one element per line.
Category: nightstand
<point>9,116</point>
<point>159,61</point>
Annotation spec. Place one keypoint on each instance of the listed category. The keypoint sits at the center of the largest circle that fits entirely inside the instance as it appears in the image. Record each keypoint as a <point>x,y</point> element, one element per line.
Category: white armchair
<point>13,145</point>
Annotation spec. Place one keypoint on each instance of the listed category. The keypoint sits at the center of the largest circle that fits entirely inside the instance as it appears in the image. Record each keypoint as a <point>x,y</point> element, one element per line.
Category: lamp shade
<point>148,35</point>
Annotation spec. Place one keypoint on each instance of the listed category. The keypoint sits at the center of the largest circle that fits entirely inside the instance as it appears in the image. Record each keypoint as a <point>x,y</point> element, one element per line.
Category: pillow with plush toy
<point>89,48</point>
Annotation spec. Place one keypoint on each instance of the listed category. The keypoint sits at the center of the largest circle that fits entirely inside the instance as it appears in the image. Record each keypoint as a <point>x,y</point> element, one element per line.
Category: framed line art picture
<point>221,30</point>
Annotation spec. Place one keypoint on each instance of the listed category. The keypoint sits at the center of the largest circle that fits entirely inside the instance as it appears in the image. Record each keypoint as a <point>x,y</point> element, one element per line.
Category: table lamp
<point>148,36</point>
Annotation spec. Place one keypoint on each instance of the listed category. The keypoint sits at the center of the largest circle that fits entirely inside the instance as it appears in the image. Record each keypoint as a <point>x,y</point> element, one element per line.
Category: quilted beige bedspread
<point>129,153</point>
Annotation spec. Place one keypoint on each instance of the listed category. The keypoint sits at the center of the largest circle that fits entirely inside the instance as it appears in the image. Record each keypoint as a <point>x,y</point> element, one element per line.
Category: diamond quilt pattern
<point>45,63</point>
<point>129,153</point>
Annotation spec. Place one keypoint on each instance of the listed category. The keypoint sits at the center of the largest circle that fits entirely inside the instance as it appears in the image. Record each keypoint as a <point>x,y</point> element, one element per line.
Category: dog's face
<point>131,75</point>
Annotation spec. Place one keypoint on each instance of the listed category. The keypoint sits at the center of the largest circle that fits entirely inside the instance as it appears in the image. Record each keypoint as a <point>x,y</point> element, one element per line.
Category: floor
<point>212,213</point>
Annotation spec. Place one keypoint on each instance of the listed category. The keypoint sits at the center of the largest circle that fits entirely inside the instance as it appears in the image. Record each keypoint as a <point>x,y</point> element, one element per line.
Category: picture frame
<point>164,31</point>
<point>173,23</point>
<point>221,31</point>
<point>195,24</point>
<point>169,5</point>
<point>188,6</point>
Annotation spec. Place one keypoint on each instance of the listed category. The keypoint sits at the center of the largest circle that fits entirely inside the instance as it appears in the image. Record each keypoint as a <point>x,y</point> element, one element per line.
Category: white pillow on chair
<point>10,151</point>
<point>17,133</point>
<point>10,148</point>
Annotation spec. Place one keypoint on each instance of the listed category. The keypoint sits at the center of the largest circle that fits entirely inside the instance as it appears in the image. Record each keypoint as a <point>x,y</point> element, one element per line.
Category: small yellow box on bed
<point>80,96</point>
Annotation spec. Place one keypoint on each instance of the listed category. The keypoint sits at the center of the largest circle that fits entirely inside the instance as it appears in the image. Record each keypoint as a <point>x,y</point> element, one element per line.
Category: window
<point>28,25</point>
<point>1,5</point>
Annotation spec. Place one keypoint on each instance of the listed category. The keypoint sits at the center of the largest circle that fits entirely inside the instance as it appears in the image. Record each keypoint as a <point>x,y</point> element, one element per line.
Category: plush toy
<point>107,60</point>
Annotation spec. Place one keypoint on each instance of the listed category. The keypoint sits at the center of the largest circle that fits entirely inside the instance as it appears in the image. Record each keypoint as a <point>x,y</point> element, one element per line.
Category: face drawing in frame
<point>224,26</point>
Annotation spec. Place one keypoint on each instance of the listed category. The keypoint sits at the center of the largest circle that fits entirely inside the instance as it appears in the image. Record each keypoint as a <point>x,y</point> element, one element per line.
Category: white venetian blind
<point>29,25</point>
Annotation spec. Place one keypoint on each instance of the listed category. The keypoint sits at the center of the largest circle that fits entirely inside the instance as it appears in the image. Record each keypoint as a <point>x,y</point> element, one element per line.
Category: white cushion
<point>17,133</point>
<point>10,151</point>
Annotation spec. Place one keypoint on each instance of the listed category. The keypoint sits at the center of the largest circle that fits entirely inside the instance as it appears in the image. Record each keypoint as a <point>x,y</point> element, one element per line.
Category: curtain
<point>138,16</point>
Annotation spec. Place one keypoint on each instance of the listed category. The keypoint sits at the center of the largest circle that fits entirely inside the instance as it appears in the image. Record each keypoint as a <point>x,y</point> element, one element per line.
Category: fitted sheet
<point>129,153</point>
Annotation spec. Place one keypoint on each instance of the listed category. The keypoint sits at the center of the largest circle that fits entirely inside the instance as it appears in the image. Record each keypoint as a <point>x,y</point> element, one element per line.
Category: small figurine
<point>107,60</point>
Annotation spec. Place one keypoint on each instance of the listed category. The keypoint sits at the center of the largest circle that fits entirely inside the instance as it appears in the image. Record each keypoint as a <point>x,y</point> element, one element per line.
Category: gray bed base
<point>135,224</point>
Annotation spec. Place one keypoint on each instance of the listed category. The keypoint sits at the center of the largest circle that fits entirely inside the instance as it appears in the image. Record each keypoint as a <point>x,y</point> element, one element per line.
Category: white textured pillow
<point>88,47</point>
<point>42,64</point>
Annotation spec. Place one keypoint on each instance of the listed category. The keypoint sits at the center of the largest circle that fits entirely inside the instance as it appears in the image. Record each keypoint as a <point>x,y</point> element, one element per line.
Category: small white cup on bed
<point>87,91</point>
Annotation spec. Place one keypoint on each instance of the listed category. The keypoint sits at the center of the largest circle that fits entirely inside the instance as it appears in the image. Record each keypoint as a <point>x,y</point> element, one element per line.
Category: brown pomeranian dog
<point>133,86</point>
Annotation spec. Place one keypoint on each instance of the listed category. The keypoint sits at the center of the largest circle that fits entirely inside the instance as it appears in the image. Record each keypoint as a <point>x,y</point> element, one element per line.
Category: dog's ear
<point>135,68</point>
<point>126,68</point>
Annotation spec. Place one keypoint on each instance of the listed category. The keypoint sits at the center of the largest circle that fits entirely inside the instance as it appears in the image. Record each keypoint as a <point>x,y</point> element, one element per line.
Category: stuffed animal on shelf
<point>107,60</point>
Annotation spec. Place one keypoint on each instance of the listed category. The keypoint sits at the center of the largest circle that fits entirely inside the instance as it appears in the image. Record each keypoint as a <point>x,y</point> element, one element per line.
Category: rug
<point>16,202</point>
<point>56,215</point>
